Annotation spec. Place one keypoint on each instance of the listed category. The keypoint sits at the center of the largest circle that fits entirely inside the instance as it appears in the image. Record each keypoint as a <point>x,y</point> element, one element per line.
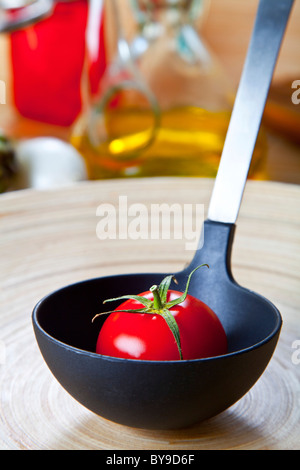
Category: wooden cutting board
<point>48,239</point>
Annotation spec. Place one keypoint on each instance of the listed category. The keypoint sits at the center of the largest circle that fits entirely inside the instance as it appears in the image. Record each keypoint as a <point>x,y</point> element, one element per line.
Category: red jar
<point>48,60</point>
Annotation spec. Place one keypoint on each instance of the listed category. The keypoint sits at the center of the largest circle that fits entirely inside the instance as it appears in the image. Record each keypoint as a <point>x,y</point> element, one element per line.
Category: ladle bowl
<point>177,394</point>
<point>159,394</point>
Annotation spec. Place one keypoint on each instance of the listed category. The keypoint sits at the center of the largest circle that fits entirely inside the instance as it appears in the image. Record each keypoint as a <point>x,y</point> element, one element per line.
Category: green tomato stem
<point>172,324</point>
<point>157,303</point>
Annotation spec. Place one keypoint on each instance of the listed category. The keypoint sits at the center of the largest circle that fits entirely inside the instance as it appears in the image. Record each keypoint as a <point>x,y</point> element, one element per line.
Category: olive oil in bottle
<point>164,103</point>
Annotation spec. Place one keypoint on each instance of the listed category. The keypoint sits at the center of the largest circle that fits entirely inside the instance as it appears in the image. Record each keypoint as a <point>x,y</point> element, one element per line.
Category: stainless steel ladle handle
<point>269,28</point>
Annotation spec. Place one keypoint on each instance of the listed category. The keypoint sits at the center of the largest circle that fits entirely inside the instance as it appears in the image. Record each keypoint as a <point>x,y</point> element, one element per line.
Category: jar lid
<point>15,14</point>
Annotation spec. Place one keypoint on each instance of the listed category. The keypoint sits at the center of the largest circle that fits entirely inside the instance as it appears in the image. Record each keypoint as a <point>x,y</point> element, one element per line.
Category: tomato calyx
<point>159,305</point>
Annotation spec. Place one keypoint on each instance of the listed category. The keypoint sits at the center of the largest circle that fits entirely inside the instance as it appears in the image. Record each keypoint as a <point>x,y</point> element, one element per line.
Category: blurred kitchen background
<point>135,88</point>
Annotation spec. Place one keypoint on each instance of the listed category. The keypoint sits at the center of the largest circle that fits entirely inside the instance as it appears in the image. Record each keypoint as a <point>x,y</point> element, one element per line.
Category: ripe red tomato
<point>141,329</point>
<point>147,336</point>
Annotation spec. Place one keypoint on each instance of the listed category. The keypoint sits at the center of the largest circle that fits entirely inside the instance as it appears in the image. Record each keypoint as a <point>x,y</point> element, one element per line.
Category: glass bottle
<point>164,103</point>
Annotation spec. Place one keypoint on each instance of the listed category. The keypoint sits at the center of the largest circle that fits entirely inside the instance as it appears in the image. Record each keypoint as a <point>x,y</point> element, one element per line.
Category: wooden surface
<point>48,240</point>
<point>226,29</point>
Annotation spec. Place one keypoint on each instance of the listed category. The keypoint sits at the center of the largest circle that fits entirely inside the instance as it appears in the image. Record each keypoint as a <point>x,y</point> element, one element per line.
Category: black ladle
<point>176,394</point>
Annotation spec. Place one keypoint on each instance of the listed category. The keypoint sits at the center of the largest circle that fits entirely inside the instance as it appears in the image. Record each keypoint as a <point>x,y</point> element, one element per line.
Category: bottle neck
<point>157,17</point>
